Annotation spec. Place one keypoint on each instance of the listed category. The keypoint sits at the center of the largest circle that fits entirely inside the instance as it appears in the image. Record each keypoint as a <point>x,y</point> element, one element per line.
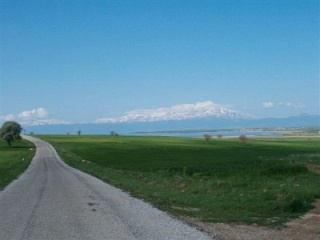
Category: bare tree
<point>243,139</point>
<point>207,137</point>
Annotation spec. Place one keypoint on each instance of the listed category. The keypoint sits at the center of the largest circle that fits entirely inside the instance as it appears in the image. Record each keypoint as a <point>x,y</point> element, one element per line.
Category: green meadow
<point>265,181</point>
<point>14,161</point>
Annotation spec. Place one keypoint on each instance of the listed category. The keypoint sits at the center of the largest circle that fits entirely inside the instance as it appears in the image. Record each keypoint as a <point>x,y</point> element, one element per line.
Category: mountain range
<point>178,112</point>
<point>206,121</point>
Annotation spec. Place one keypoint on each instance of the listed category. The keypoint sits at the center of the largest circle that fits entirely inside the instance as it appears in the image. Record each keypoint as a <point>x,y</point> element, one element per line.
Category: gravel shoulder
<point>306,227</point>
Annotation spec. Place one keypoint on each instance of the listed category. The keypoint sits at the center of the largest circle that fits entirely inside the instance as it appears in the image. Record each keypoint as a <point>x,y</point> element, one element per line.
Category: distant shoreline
<point>231,133</point>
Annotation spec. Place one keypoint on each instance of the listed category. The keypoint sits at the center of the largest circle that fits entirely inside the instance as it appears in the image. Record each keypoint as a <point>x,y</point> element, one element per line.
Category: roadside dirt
<point>314,168</point>
<point>307,227</point>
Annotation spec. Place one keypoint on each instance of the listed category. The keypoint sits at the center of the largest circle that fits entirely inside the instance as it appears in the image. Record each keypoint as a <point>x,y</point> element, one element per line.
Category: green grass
<point>265,181</point>
<point>14,161</point>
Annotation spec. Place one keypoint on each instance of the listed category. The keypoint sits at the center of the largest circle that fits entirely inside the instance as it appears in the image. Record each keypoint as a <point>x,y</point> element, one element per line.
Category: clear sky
<point>79,61</point>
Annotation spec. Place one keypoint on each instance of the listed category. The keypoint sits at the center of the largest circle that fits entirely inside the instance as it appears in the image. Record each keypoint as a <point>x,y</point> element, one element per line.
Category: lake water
<point>198,134</point>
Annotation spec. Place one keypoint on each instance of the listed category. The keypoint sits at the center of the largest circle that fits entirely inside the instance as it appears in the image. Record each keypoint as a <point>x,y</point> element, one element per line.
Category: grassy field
<point>265,181</point>
<point>14,161</point>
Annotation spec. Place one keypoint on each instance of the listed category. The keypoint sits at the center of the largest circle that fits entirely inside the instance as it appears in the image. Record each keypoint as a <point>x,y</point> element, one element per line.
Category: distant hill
<point>172,125</point>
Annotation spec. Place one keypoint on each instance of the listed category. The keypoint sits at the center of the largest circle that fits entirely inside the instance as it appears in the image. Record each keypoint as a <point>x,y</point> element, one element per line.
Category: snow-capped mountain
<point>177,112</point>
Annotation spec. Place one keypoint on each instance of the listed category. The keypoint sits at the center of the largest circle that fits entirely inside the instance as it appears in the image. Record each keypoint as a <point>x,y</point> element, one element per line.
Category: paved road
<point>54,201</point>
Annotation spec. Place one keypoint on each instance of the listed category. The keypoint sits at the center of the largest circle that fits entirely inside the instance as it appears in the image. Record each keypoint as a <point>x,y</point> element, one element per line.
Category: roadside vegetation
<point>14,160</point>
<point>264,181</point>
<point>10,132</point>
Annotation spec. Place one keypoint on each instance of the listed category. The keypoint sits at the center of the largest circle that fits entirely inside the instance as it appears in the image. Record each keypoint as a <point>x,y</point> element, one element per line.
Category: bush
<point>283,169</point>
<point>296,206</point>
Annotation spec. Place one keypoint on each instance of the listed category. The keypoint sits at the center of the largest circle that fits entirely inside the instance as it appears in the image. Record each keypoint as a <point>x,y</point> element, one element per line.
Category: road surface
<point>54,201</point>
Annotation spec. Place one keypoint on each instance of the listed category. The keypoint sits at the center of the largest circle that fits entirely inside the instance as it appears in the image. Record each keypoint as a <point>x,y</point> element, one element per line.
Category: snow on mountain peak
<point>177,112</point>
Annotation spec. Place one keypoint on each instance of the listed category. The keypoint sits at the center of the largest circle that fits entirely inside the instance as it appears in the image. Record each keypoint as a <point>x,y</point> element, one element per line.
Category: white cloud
<point>34,113</point>
<point>268,104</point>
<point>176,112</point>
<point>283,104</point>
<point>292,105</point>
<point>9,117</point>
<point>45,122</point>
<point>37,116</point>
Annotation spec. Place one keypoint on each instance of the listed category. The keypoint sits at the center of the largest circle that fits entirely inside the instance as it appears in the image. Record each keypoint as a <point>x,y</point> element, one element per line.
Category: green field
<point>265,181</point>
<point>14,161</point>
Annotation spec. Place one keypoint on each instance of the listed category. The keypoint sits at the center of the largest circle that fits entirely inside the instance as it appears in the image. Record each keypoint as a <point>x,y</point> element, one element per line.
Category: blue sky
<point>83,61</point>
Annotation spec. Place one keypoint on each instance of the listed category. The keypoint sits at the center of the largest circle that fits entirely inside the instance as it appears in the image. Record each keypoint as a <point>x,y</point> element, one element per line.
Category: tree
<point>220,136</point>
<point>79,132</point>
<point>243,139</point>
<point>113,133</point>
<point>10,132</point>
<point>207,137</point>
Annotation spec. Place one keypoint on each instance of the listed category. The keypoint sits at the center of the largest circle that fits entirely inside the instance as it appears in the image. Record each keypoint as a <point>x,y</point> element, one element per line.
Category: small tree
<point>10,132</point>
<point>219,136</point>
<point>207,137</point>
<point>243,139</point>
<point>79,132</point>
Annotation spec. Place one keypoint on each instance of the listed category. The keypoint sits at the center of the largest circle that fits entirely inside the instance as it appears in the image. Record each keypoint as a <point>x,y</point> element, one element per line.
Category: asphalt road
<point>54,201</point>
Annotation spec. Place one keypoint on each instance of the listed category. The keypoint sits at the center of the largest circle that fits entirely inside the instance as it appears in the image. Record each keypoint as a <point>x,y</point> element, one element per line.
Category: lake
<point>213,133</point>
